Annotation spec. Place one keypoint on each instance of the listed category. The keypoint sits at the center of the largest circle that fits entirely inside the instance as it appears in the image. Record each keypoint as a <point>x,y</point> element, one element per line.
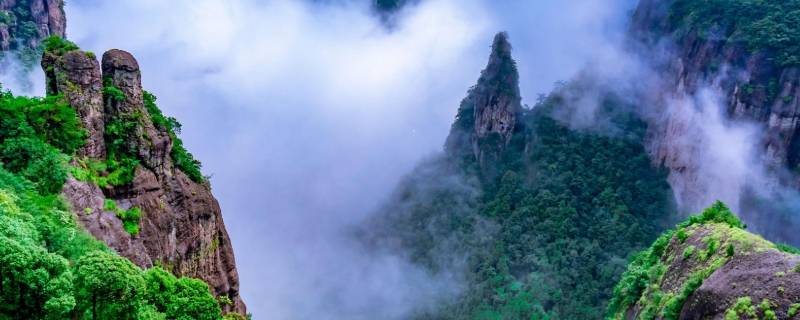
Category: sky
<point>306,114</point>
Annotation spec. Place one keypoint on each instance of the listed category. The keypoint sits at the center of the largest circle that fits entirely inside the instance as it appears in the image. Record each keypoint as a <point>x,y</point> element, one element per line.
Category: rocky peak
<point>75,74</point>
<point>181,226</point>
<point>121,71</point>
<point>487,116</point>
<point>25,23</point>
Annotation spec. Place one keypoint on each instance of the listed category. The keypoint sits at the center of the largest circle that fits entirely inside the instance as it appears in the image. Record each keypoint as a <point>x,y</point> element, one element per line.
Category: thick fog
<point>306,114</point>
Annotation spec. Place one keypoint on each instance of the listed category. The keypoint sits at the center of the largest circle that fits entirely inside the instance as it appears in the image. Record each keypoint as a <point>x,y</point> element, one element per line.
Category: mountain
<point>745,52</point>
<point>710,268</point>
<point>104,213</point>
<point>538,209</point>
<point>133,160</point>
<point>25,23</point>
<point>537,218</point>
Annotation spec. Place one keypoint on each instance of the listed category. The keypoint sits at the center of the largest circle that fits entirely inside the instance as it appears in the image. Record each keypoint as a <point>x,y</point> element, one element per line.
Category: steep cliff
<point>742,50</point>
<point>25,23</point>
<point>487,117</point>
<point>132,187</point>
<point>710,268</point>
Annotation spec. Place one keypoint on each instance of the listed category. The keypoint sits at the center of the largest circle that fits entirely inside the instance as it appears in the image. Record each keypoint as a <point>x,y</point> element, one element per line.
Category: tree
<point>108,286</point>
<point>180,298</point>
<point>37,161</point>
<point>34,284</point>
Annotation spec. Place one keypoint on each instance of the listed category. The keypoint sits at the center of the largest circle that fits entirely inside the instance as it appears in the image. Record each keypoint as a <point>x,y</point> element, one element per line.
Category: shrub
<point>771,26</point>
<point>787,248</point>
<point>130,217</point>
<point>718,212</point>
<point>687,253</point>
<point>58,45</point>
<point>37,161</point>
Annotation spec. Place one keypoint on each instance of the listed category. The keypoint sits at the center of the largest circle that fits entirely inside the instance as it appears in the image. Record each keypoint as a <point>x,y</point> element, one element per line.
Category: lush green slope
<point>769,25</point>
<point>550,233</point>
<point>49,267</point>
<point>663,281</point>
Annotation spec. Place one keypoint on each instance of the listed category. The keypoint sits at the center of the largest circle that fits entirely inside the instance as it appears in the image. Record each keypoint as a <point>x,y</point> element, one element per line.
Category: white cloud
<point>307,113</point>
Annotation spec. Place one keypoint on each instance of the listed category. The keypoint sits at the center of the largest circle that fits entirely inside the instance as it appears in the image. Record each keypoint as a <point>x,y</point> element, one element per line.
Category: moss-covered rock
<point>709,268</point>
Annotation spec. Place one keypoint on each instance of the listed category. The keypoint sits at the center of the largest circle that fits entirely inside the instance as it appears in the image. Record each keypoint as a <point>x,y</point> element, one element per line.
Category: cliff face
<point>181,226</point>
<point>25,23</point>
<point>488,115</point>
<point>754,87</point>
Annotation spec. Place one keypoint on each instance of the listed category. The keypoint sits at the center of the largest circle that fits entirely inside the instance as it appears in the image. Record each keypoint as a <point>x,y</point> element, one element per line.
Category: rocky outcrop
<point>181,227</point>
<point>121,70</point>
<point>76,76</point>
<point>716,271</point>
<point>488,115</point>
<point>25,23</point>
<point>751,87</point>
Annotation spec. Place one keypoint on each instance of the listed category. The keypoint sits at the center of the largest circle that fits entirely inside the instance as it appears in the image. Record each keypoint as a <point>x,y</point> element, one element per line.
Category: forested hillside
<point>545,216</point>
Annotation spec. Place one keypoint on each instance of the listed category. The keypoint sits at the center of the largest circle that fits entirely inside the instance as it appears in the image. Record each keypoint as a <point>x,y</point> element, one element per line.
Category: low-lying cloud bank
<point>308,113</point>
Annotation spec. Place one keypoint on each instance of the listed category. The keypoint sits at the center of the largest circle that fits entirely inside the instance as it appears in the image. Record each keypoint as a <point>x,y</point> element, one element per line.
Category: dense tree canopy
<point>548,235</point>
<point>50,268</point>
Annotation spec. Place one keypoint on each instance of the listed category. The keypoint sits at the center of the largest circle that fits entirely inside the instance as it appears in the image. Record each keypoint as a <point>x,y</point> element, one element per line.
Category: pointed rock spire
<point>487,116</point>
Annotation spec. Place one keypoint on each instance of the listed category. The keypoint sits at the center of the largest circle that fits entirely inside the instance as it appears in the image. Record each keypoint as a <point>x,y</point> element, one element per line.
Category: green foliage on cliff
<point>181,157</point>
<point>58,45</point>
<point>547,237</point>
<point>50,268</point>
<point>768,25</point>
<point>35,137</point>
<point>130,217</point>
<point>644,280</point>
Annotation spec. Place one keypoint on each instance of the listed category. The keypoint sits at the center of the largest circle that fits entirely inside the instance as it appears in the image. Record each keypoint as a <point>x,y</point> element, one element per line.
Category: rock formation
<point>25,23</point>
<point>753,86</point>
<point>181,227</point>
<point>487,116</point>
<point>710,270</point>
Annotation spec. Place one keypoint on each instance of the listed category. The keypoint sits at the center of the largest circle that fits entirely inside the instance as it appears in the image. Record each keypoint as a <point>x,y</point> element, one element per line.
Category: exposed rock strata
<point>45,16</point>
<point>487,116</point>
<point>181,227</point>
<point>751,87</point>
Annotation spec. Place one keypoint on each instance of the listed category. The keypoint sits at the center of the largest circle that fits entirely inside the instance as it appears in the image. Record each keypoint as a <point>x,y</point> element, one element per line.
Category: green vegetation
<point>36,135</point>
<point>184,160</point>
<point>49,266</point>
<point>766,308</point>
<point>130,217</point>
<point>787,248</point>
<point>793,310</point>
<point>24,33</point>
<point>763,25</point>
<point>549,235</point>
<point>743,307</point>
<point>719,228</point>
<point>638,283</point>
<point>58,46</point>
<point>687,253</point>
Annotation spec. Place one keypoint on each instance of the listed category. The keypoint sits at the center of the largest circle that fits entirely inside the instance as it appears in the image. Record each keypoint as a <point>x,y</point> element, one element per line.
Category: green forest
<point>771,26</point>
<point>550,235</point>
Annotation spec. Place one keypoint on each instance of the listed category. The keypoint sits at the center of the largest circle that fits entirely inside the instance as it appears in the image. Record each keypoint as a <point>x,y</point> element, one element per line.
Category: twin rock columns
<point>181,227</point>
